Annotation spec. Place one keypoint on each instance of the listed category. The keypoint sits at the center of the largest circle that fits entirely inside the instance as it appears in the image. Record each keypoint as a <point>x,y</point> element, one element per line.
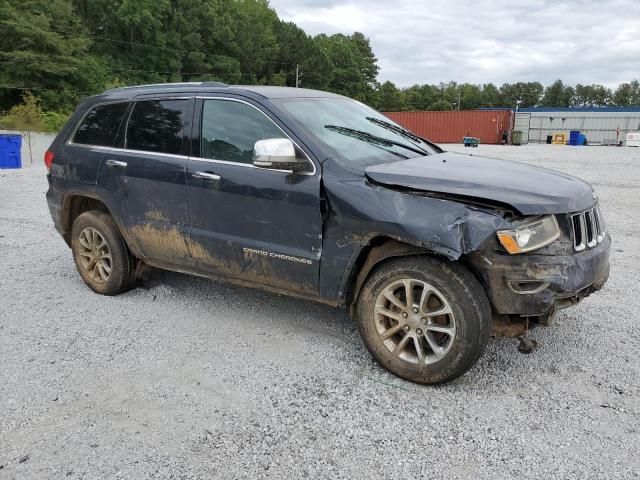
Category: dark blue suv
<point>311,194</point>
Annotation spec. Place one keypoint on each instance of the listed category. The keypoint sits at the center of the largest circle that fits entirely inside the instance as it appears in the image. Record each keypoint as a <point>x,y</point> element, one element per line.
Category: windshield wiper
<point>395,128</point>
<point>402,131</point>
<point>368,137</point>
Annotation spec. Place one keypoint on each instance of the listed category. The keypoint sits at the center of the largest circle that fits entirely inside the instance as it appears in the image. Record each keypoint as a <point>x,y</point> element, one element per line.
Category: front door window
<point>230,129</point>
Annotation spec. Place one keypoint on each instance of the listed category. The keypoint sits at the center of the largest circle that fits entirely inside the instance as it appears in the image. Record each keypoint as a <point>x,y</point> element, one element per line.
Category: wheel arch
<point>74,204</point>
<point>378,251</point>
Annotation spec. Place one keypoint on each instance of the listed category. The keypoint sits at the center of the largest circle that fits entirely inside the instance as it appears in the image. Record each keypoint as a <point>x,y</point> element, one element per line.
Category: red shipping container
<point>451,127</point>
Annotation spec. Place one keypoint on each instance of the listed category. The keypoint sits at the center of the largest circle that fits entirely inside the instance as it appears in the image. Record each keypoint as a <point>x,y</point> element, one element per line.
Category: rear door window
<point>100,126</point>
<point>157,126</point>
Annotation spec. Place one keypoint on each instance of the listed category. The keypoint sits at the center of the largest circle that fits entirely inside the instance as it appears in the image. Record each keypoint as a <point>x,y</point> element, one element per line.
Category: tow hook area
<point>509,325</point>
<point>517,327</point>
<point>527,345</point>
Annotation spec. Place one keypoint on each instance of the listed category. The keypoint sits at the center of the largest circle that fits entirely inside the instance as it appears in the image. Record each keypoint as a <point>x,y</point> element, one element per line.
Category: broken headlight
<point>530,234</point>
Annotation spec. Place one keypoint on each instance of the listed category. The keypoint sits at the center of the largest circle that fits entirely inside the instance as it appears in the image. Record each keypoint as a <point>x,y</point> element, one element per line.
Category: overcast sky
<point>431,41</point>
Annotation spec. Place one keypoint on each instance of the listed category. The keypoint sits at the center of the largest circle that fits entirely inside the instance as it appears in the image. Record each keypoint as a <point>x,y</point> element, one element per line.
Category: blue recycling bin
<point>10,151</point>
<point>574,137</point>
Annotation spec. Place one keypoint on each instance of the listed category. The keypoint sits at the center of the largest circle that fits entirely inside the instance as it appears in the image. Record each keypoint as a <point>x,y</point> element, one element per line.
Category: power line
<point>163,72</point>
<point>42,89</point>
<point>84,92</point>
<point>127,42</point>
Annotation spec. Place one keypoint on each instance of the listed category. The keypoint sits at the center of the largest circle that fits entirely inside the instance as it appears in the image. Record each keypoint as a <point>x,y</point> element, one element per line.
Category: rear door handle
<point>207,175</point>
<point>116,163</point>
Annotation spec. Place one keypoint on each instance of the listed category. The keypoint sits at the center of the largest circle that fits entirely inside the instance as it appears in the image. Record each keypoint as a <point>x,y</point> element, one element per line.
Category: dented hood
<point>530,190</point>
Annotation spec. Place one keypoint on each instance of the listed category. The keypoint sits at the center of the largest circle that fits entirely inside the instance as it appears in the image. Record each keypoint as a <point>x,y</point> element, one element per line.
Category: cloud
<point>579,41</point>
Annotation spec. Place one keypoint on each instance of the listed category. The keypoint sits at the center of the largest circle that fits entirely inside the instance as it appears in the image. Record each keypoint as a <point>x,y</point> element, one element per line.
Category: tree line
<point>62,50</point>
<point>453,96</point>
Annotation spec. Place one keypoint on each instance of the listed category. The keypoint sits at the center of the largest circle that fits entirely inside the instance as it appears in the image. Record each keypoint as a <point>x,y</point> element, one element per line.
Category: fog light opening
<point>527,287</point>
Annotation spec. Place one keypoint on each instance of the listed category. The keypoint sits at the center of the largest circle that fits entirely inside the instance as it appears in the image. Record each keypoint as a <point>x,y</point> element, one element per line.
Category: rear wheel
<point>424,319</point>
<point>100,253</point>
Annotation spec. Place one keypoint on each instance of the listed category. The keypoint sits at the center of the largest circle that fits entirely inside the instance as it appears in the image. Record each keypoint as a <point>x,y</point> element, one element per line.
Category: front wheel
<point>424,319</point>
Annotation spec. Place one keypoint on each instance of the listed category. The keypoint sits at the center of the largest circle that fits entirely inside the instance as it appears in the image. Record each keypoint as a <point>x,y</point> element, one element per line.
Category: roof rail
<point>168,85</point>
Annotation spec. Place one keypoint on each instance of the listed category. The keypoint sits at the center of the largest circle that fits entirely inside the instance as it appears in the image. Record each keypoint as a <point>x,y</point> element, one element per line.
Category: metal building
<point>604,125</point>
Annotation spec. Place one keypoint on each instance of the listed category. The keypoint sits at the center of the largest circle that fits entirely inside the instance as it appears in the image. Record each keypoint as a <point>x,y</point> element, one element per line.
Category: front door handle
<point>207,175</point>
<point>116,163</point>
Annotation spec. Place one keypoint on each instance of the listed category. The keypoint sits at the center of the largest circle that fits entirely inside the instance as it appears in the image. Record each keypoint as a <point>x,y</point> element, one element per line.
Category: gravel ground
<point>187,378</point>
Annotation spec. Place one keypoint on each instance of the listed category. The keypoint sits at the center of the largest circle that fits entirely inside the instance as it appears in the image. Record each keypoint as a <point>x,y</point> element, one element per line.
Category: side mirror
<point>276,153</point>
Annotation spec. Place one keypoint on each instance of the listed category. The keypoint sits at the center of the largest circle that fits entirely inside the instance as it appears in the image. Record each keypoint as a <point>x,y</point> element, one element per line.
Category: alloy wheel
<point>95,255</point>
<point>415,321</point>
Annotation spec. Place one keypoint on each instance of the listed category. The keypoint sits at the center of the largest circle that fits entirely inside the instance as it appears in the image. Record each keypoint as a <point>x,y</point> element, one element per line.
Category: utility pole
<point>459,99</point>
<point>297,75</point>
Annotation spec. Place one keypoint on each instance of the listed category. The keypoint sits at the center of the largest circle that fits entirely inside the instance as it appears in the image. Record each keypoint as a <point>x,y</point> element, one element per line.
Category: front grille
<point>588,229</point>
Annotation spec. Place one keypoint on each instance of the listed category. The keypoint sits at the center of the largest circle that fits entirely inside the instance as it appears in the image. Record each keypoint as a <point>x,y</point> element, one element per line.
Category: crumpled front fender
<point>359,214</point>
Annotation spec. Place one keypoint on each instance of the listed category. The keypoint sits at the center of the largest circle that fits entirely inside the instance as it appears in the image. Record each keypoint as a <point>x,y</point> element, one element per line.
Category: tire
<point>100,253</point>
<point>450,342</point>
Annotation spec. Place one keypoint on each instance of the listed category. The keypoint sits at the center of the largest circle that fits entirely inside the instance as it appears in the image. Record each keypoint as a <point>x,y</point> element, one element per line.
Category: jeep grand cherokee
<point>312,194</point>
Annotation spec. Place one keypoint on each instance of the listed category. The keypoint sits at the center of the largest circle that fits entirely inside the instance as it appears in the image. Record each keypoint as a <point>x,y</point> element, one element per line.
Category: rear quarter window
<point>100,125</point>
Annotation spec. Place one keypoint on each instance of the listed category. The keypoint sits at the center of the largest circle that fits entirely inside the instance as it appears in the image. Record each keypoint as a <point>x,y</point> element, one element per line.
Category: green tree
<point>26,118</point>
<point>413,99</point>
<point>627,94</point>
<point>441,105</point>
<point>296,48</point>
<point>389,98</point>
<point>255,39</point>
<point>367,65</point>
<point>602,96</point>
<point>490,96</point>
<point>354,67</point>
<point>420,97</point>
<point>450,93</point>
<point>470,96</point>
<point>53,122</point>
<point>525,94</point>
<point>592,96</point>
<point>557,95</point>
<point>44,48</point>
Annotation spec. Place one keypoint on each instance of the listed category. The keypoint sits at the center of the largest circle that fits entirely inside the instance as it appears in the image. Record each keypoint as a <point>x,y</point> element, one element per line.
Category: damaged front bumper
<point>535,285</point>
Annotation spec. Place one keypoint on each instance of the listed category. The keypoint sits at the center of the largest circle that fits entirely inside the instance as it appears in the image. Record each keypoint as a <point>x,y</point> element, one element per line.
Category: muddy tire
<point>425,320</point>
<point>101,255</point>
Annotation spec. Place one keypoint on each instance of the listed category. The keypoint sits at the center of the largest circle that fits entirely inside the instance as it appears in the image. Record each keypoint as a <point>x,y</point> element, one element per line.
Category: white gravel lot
<point>187,378</point>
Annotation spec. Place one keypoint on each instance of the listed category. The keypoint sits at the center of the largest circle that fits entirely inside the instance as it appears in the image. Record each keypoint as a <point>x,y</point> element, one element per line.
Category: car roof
<point>269,92</point>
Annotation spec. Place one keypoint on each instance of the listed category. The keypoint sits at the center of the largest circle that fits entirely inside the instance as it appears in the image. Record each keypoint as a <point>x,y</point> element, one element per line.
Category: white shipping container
<point>522,122</point>
<point>633,139</point>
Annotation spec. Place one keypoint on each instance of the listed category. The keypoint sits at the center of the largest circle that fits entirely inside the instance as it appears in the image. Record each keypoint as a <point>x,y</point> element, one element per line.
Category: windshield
<point>356,135</point>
